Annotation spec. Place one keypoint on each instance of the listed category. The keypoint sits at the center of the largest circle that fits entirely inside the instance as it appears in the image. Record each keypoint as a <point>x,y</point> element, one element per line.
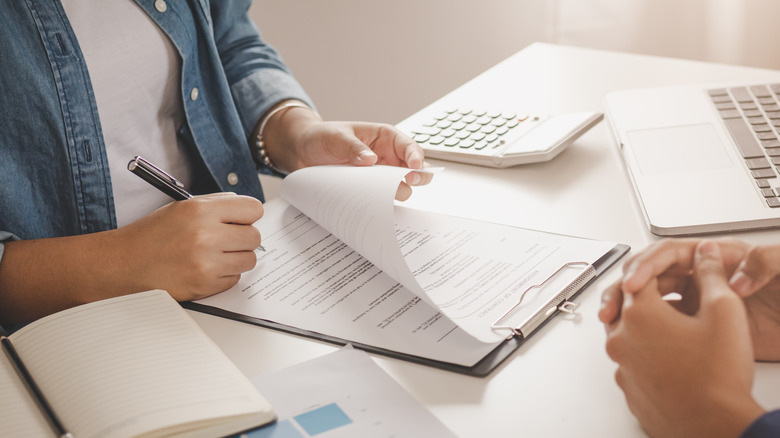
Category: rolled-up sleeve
<point>5,236</point>
<point>257,75</point>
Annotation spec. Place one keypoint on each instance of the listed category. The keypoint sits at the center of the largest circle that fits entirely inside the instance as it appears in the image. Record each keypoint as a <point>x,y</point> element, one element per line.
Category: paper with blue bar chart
<point>343,394</point>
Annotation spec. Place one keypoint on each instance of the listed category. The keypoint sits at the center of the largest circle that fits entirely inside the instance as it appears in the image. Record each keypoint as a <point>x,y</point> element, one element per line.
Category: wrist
<point>276,137</point>
<point>732,415</point>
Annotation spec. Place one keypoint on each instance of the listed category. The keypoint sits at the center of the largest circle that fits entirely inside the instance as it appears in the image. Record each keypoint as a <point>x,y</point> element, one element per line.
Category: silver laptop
<point>702,159</point>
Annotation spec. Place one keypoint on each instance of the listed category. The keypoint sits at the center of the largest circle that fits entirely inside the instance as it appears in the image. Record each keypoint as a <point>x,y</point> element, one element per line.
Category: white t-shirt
<point>135,72</point>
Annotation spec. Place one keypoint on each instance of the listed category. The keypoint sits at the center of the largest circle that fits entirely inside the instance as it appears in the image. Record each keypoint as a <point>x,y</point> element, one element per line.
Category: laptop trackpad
<point>678,149</point>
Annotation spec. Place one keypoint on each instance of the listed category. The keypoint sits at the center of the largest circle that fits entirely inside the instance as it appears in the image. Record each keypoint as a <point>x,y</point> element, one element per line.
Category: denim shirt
<point>54,176</point>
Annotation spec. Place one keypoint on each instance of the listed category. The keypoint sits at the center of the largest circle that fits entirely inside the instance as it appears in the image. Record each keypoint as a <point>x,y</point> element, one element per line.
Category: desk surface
<point>560,383</point>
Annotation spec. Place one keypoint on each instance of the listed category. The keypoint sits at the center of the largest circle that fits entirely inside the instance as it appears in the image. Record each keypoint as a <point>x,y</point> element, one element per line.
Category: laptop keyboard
<point>752,117</point>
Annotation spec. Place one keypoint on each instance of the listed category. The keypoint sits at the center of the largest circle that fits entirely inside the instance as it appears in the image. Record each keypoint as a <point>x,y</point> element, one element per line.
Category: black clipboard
<point>516,336</point>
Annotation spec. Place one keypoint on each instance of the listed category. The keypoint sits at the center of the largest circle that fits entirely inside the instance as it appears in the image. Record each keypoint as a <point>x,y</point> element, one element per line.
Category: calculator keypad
<point>469,130</point>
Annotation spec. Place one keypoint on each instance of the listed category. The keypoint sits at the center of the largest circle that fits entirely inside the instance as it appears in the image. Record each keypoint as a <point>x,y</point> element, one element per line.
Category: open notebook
<point>131,366</point>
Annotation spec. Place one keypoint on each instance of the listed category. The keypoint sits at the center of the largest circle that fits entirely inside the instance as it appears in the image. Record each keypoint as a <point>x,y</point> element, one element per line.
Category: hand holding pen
<point>161,180</point>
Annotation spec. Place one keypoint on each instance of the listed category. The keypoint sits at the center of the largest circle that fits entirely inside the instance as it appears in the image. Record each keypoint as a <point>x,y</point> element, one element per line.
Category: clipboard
<point>558,302</point>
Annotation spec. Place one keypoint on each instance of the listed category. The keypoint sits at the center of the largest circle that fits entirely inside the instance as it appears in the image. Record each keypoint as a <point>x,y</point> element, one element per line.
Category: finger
<point>757,269</point>
<point>414,157</point>
<point>686,299</point>
<point>733,252</point>
<point>648,294</point>
<point>405,151</point>
<point>645,312</point>
<point>710,276</point>
<point>681,284</point>
<point>353,149</point>
<point>237,209</point>
<point>418,178</point>
<point>236,263</point>
<point>239,237</point>
<point>676,255</point>
<point>360,153</point>
<point>365,157</point>
<point>611,300</point>
<point>216,195</point>
<point>403,192</point>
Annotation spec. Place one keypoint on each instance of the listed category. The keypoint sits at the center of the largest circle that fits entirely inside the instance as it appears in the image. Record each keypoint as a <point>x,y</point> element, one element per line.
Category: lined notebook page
<point>19,415</point>
<point>131,364</point>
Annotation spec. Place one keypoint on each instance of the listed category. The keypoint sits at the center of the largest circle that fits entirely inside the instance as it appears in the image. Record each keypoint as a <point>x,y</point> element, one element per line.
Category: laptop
<point>701,159</point>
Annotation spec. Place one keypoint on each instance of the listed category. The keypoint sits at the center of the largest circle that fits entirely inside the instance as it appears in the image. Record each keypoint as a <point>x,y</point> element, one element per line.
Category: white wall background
<point>744,32</point>
<point>383,60</point>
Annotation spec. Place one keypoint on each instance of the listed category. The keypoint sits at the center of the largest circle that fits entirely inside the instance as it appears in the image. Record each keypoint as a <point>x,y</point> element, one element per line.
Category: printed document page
<point>356,205</point>
<point>475,271</point>
<point>430,285</point>
<point>344,394</point>
<point>309,279</point>
<point>470,270</point>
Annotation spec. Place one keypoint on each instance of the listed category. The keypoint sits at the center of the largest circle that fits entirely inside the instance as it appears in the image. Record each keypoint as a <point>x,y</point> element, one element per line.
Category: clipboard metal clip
<point>557,302</point>
<point>567,307</point>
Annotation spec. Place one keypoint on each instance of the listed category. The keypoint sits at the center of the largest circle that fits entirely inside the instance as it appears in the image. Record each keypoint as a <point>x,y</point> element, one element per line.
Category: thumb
<point>360,153</point>
<point>758,268</point>
<point>709,274</point>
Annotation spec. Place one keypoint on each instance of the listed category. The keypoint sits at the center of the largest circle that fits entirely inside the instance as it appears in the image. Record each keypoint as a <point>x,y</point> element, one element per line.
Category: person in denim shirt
<point>686,365</point>
<point>62,240</point>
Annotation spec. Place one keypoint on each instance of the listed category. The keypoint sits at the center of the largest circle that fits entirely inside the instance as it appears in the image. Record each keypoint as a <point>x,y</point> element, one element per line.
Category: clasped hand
<point>686,366</point>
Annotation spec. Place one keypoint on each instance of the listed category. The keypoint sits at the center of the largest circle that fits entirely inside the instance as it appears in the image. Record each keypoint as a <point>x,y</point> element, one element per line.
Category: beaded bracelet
<point>260,154</point>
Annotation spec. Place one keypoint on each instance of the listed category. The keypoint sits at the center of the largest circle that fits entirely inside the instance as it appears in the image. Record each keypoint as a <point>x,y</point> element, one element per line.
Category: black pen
<point>162,180</point>
<point>35,391</point>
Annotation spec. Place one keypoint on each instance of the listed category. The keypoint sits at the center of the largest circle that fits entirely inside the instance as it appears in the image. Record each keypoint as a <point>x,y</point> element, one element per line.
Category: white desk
<point>560,383</point>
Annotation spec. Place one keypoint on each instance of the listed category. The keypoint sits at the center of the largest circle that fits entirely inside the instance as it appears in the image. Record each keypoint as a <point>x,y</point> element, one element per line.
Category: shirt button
<point>232,178</point>
<point>160,5</point>
<point>194,94</point>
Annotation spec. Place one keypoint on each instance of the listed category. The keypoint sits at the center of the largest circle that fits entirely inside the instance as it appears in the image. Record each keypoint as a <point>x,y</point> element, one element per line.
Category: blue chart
<point>345,395</point>
<point>307,424</point>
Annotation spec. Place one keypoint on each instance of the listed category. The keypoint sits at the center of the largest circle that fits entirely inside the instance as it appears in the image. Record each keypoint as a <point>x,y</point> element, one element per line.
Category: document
<point>343,394</point>
<point>345,261</point>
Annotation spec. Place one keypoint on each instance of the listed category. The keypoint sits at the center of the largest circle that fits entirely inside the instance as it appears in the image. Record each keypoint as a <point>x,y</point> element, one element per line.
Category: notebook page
<point>19,414</point>
<point>131,364</point>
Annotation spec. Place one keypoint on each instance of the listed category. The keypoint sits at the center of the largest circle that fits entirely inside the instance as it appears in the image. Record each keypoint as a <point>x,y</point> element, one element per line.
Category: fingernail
<point>364,155</point>
<point>740,283</point>
<point>628,275</point>
<point>708,249</point>
<point>414,178</point>
<point>415,158</point>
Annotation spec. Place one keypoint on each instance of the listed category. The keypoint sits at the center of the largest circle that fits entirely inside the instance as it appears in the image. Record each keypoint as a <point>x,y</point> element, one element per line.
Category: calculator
<point>496,138</point>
